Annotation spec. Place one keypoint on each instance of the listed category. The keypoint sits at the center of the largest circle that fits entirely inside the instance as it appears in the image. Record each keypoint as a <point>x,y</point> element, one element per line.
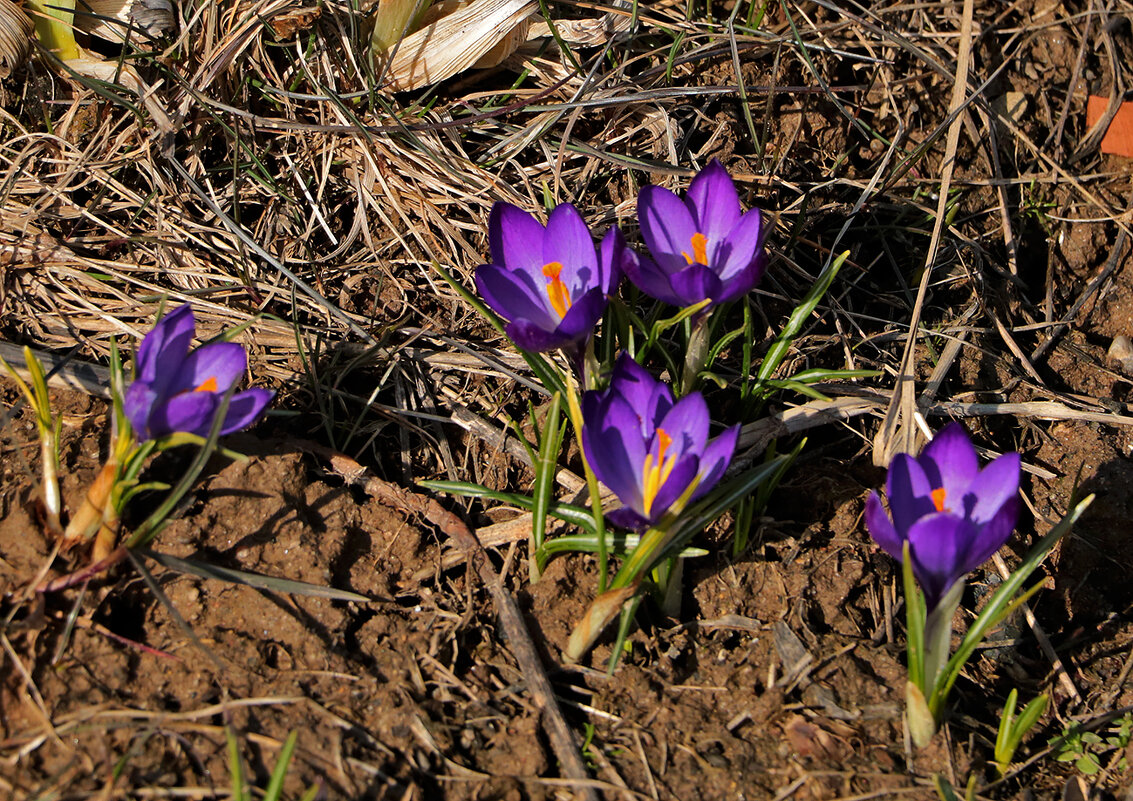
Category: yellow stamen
<point>208,385</point>
<point>699,250</point>
<point>657,473</point>
<point>938,499</point>
<point>556,290</point>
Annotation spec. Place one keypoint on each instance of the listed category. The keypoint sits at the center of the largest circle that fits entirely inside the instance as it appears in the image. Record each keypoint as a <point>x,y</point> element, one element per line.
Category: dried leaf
<point>456,42</point>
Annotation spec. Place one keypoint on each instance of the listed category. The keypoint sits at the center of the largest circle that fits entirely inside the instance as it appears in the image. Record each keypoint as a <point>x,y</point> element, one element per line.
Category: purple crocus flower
<point>953,515</point>
<point>549,282</point>
<point>648,449</point>
<point>180,391</point>
<point>702,246</point>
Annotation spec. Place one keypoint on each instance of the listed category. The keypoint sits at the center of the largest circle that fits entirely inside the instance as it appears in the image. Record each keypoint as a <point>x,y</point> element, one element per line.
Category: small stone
<point>1120,354</point>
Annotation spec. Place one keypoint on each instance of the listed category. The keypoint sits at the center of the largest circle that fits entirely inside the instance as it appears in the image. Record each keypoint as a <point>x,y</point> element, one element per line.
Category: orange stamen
<point>208,385</point>
<point>938,499</point>
<point>556,290</point>
<point>699,250</point>
<point>657,473</point>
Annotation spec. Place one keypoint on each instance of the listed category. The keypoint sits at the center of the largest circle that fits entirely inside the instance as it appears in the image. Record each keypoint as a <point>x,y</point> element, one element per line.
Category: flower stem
<point>697,354</point>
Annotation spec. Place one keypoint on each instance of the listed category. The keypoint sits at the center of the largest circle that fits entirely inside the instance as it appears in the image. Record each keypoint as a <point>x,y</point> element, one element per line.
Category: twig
<point>897,432</point>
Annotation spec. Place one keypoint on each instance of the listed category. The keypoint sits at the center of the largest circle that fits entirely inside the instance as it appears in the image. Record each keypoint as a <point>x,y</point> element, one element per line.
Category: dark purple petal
<point>191,412</point>
<point>695,283</point>
<point>993,534</point>
<point>533,338</point>
<point>138,402</point>
<point>938,544</point>
<point>581,318</point>
<point>647,396</point>
<point>515,239</point>
<point>687,424</point>
<point>682,474</point>
<point>717,204</point>
<point>624,517</point>
<point>743,282</point>
<point>740,248</point>
<point>514,296</point>
<point>909,492</point>
<point>214,367</point>
<point>647,275</point>
<point>621,419</point>
<point>715,459</point>
<point>608,452</point>
<point>612,260</point>
<point>245,408</point>
<point>568,242</point>
<point>667,227</point>
<point>165,347</point>
<point>995,485</point>
<point>881,527</point>
<point>950,462</point>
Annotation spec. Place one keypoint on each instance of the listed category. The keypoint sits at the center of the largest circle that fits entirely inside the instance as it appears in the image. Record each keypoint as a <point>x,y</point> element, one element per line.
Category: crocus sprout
<point>178,390</point>
<point>549,283</point>
<point>649,450</point>
<point>953,515</point>
<point>702,247</point>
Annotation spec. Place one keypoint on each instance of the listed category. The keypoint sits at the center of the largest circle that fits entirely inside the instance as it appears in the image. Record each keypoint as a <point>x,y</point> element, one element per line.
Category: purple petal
<point>682,474</point>
<point>993,534</point>
<point>244,408</point>
<point>938,544</point>
<point>191,412</point>
<point>165,347</point>
<point>909,492</point>
<point>739,249</point>
<point>515,238</point>
<point>612,260</point>
<point>667,227</point>
<point>581,318</point>
<point>715,459</point>
<point>996,484</point>
<point>619,417</point>
<point>513,296</point>
<point>881,527</point>
<point>687,424</point>
<point>695,283</point>
<point>138,402</point>
<point>647,275</point>
<point>610,453</point>
<point>717,204</point>
<point>215,367</point>
<point>568,242</point>
<point>950,462</point>
<point>650,398</point>
<point>533,338</point>
<point>624,517</point>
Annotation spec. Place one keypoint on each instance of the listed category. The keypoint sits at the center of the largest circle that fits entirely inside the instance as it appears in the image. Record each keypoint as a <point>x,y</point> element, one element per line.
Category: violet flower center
<point>557,291</point>
<point>699,255</point>
<point>656,471</point>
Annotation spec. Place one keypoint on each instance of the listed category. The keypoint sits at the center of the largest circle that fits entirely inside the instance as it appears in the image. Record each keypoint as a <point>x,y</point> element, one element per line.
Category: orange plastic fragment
<point>1118,140</point>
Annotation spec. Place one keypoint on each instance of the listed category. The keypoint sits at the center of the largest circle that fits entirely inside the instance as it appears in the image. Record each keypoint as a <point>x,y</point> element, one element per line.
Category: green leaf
<point>782,344</point>
<point>575,515</point>
<point>257,580</point>
<point>274,790</point>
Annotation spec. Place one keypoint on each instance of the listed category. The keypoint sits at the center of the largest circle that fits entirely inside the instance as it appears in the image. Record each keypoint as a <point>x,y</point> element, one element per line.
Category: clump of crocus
<point>180,390</point>
<point>953,515</point>
<point>649,450</point>
<point>549,283</point>
<point>702,247</point>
